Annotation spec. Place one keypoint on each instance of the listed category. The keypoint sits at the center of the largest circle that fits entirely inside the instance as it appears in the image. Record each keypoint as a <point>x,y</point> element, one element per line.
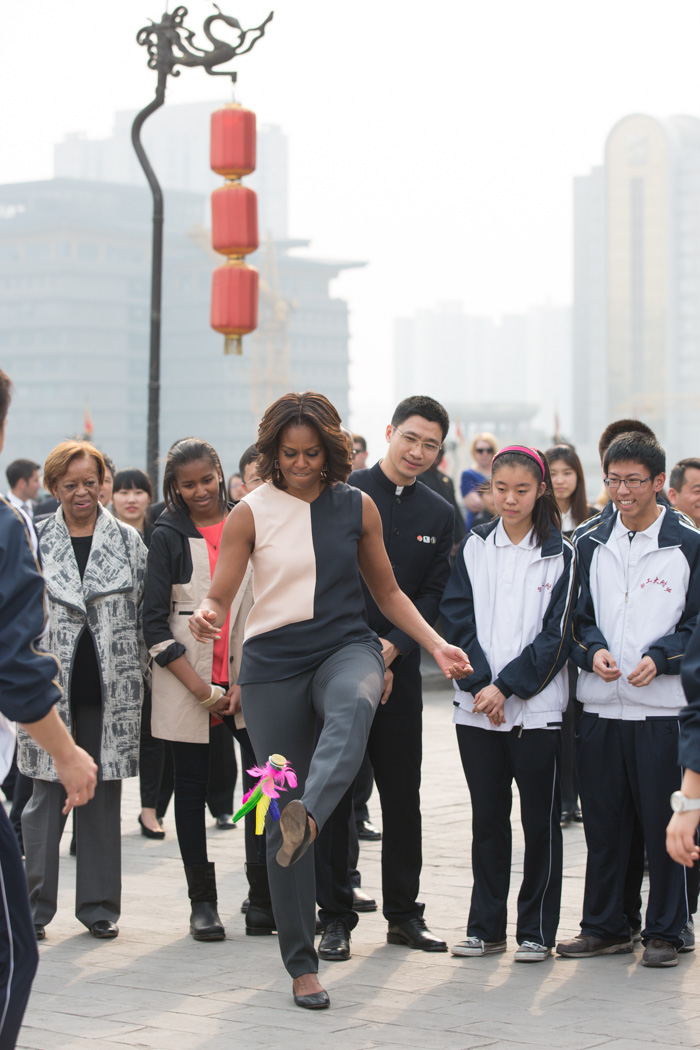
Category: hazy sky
<point>437,141</point>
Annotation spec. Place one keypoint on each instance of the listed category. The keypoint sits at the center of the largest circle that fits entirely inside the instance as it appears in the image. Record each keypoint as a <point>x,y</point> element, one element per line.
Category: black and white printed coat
<point>108,603</point>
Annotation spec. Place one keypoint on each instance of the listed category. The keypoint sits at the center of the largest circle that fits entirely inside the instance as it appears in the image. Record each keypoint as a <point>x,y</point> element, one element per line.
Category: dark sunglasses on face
<point>486,448</point>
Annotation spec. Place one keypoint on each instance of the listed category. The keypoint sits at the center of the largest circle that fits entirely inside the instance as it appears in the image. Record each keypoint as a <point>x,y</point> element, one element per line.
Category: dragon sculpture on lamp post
<point>170,44</point>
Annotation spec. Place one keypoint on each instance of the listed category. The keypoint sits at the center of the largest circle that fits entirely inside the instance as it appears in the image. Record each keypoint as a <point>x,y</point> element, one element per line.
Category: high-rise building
<point>637,284</point>
<point>75,258</point>
<point>511,377</point>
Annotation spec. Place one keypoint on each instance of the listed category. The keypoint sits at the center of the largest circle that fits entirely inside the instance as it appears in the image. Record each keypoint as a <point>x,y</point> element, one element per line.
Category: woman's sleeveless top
<point>306,582</point>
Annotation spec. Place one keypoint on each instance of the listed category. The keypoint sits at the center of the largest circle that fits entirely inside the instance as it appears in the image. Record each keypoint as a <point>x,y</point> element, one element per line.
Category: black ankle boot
<point>205,924</point>
<point>259,919</point>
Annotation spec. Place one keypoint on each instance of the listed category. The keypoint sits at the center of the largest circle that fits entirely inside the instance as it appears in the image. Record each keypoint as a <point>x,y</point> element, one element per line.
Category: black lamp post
<point>170,44</point>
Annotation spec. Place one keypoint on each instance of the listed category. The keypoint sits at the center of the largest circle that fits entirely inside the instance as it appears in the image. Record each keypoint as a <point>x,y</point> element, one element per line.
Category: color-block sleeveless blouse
<point>306,582</point>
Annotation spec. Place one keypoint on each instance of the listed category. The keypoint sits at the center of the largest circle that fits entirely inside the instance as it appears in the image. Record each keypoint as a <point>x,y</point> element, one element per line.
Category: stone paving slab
<point>154,988</point>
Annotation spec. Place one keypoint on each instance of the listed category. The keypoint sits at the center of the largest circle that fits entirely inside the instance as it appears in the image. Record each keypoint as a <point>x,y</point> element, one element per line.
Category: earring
<point>324,472</point>
<point>277,479</point>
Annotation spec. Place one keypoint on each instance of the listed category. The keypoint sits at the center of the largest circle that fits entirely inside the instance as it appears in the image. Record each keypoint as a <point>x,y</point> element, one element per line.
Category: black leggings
<point>191,762</point>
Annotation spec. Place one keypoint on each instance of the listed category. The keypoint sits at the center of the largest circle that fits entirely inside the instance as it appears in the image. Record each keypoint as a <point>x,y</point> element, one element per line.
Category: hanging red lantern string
<point>234,221</point>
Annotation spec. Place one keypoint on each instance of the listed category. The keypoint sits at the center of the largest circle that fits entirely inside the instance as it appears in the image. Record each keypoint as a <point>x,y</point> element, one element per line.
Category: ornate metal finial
<point>170,43</point>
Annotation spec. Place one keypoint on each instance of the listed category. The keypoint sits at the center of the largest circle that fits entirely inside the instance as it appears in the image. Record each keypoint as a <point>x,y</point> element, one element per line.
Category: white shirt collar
<point>651,533</point>
<point>501,538</point>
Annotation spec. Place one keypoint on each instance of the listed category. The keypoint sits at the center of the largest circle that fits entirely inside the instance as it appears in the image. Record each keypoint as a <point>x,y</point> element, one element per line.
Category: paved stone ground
<point>154,987</point>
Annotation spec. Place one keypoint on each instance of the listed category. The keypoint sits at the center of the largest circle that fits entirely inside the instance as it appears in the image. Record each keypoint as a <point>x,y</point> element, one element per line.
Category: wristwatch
<point>679,802</point>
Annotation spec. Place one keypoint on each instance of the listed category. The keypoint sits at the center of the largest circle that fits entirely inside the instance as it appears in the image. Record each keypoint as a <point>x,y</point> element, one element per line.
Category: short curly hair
<point>307,409</point>
<point>58,459</point>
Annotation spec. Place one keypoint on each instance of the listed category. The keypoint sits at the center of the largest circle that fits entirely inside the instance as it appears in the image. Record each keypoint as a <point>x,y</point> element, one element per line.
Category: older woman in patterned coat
<point>94,567</point>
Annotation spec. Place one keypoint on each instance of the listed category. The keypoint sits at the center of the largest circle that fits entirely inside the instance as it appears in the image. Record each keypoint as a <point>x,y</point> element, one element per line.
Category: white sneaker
<point>531,951</point>
<point>475,946</point>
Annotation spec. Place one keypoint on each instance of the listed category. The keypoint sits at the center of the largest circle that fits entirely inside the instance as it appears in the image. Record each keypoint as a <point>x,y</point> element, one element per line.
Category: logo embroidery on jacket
<point>545,587</point>
<point>660,583</point>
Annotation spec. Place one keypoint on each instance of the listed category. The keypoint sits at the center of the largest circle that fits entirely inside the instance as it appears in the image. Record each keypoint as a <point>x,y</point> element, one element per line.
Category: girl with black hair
<point>509,604</point>
<point>195,686</point>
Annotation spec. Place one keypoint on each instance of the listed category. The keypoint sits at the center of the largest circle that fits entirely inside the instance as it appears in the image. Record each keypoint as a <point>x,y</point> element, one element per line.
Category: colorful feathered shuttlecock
<point>274,776</point>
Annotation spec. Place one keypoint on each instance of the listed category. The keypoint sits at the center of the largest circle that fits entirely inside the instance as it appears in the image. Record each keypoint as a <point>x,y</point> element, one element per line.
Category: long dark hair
<point>308,409</point>
<point>567,454</point>
<point>187,451</point>
<point>545,513</point>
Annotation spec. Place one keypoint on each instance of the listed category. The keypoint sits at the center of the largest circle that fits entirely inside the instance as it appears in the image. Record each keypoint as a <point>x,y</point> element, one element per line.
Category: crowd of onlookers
<point>575,614</point>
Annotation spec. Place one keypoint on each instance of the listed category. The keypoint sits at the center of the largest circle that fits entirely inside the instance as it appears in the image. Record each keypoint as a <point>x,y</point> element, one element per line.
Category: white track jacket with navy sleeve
<point>510,610</point>
<point>647,607</point>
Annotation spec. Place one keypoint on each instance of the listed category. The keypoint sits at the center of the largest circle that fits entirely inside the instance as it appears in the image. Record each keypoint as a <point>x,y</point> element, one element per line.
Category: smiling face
<point>198,484</point>
<point>301,456</point>
<point>130,505</point>
<point>515,492</point>
<point>687,498</point>
<point>637,506</point>
<point>407,457</point>
<point>77,492</point>
<point>564,482</point>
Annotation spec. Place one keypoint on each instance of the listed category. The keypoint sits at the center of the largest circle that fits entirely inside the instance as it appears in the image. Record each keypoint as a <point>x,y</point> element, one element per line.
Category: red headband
<point>531,452</point>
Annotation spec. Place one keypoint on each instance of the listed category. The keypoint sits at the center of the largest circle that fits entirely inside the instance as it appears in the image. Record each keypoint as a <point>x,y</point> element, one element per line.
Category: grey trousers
<point>98,881</point>
<point>282,717</point>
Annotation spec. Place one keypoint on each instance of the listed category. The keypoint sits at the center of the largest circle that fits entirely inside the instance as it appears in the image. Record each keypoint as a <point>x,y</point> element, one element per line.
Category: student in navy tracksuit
<point>509,603</point>
<point>28,694</point>
<point>638,605</point>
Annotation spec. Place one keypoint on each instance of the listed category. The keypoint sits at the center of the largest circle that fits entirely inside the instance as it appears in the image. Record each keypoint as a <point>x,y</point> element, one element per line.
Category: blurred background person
<point>131,500</point>
<point>107,486</point>
<point>684,488</point>
<point>570,493</point>
<point>489,511</point>
<point>359,460</point>
<point>236,488</point>
<point>23,479</point>
<point>94,568</point>
<point>483,448</point>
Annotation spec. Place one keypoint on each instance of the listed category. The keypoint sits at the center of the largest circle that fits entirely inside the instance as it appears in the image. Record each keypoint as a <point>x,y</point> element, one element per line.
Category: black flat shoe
<point>315,1001</point>
<point>367,831</point>
<point>296,834</point>
<point>104,928</point>
<point>40,931</point>
<point>148,833</point>
<point>224,822</point>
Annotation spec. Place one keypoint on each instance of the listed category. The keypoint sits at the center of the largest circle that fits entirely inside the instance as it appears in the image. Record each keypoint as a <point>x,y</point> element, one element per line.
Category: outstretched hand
<point>452,661</point>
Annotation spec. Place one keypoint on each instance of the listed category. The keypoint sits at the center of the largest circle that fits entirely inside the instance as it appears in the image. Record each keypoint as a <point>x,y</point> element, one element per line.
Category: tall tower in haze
<point>637,284</point>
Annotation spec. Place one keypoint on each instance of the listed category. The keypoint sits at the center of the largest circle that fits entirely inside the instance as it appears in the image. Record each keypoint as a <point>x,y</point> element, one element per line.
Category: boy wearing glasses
<point>417,526</point>
<point>638,605</point>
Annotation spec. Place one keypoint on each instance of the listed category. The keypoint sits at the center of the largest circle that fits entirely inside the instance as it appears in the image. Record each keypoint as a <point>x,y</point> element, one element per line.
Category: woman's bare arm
<point>237,543</point>
<point>397,607</point>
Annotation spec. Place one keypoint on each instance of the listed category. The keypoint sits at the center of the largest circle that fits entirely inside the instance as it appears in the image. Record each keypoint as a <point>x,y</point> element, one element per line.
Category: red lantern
<point>234,302</point>
<point>234,220</point>
<point>233,141</point>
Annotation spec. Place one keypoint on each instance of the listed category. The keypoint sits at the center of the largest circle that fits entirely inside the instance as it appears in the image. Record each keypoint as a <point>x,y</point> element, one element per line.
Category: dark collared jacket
<point>417,526</point>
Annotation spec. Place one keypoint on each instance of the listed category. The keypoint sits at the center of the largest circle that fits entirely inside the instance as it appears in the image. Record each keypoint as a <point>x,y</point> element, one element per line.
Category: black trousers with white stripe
<point>491,761</point>
<point>628,767</point>
<point>18,951</point>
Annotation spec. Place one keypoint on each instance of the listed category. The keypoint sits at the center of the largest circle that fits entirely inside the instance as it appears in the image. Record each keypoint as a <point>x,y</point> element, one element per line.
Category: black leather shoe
<point>149,833</point>
<point>335,942</point>
<point>40,931</point>
<point>104,928</point>
<point>316,1001</point>
<point>362,901</point>
<point>296,833</point>
<point>415,934</point>
<point>366,830</point>
<point>224,822</point>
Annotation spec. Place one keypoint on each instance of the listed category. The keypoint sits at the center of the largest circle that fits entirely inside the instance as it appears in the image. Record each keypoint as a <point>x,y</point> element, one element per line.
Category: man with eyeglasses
<point>638,606</point>
<point>417,526</point>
